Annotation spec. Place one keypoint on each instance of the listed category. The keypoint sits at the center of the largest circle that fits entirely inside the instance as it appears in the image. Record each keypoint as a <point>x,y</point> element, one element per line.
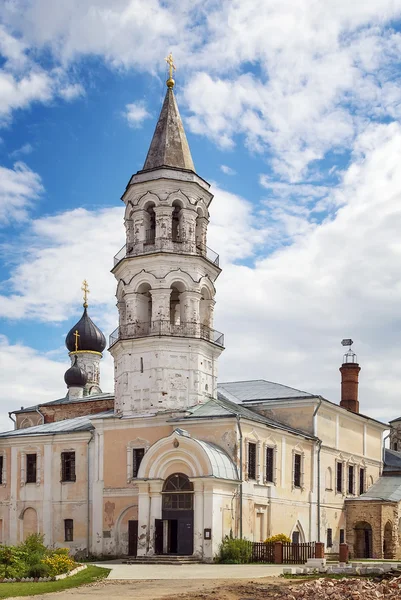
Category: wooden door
<point>158,536</point>
<point>185,537</point>
<point>132,538</point>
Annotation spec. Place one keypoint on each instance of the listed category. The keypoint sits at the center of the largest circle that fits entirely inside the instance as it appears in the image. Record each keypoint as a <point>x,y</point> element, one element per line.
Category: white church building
<point>173,461</point>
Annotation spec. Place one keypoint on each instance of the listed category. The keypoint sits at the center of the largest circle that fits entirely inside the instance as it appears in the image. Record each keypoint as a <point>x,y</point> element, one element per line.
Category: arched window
<point>144,314</point>
<point>175,304</point>
<point>329,479</point>
<point>176,228</point>
<point>150,224</point>
<point>178,493</point>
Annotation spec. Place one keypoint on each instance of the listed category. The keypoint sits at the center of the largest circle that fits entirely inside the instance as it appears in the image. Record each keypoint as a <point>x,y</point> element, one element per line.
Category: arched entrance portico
<point>175,530</point>
<point>363,546</point>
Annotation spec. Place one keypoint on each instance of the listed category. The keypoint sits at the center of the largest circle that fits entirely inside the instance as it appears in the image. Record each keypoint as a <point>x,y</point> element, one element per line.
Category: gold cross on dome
<point>170,61</point>
<point>76,336</point>
<point>86,291</point>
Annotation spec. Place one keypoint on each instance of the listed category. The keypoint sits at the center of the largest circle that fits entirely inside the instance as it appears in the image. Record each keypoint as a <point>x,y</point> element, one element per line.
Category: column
<point>190,306</point>
<point>198,518</point>
<point>13,525</point>
<point>139,221</point>
<point>155,511</point>
<point>161,310</point>
<point>164,216</point>
<point>187,229</point>
<point>208,551</point>
<point>47,508</point>
<point>143,517</point>
<point>201,232</point>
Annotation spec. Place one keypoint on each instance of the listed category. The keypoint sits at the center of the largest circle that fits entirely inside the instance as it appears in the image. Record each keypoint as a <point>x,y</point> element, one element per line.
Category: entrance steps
<point>162,559</point>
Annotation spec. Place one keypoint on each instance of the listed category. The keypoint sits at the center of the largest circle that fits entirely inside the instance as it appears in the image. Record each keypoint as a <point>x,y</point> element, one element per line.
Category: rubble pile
<point>347,589</point>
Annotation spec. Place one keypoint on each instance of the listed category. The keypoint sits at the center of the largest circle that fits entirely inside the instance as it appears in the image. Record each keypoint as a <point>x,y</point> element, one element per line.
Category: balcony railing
<point>165,328</point>
<point>160,245</point>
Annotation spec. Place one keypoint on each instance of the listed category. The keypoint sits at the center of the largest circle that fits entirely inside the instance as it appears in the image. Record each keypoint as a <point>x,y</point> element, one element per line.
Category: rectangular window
<point>339,478</point>
<point>68,530</point>
<point>295,537</point>
<point>270,465</point>
<point>395,446</point>
<point>1,469</point>
<point>350,479</point>
<point>137,456</point>
<point>68,466</point>
<point>342,536</point>
<point>251,461</point>
<point>329,538</point>
<point>361,481</point>
<point>297,470</point>
<point>31,468</point>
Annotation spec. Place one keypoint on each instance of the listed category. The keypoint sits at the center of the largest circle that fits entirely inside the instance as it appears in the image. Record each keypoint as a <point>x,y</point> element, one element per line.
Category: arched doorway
<point>30,523</point>
<point>363,540</point>
<point>388,541</point>
<point>175,530</point>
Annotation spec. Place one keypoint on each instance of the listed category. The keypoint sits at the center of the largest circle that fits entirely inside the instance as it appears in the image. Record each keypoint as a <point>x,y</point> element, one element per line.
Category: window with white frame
<point>136,450</point>
<point>270,464</point>
<point>351,479</point>
<point>339,477</point>
<point>251,471</point>
<point>297,470</point>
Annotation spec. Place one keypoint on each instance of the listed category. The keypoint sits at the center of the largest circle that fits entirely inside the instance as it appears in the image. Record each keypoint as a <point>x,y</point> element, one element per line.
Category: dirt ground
<point>192,589</point>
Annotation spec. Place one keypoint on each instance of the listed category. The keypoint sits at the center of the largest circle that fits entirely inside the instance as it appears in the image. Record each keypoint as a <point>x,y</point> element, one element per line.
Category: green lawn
<point>88,575</point>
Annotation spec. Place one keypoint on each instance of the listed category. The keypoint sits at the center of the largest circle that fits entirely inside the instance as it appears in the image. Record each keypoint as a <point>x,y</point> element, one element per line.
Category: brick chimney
<point>349,381</point>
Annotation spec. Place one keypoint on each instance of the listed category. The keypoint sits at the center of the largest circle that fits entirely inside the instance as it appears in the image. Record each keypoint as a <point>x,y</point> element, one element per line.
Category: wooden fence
<point>297,554</point>
<point>292,554</point>
<point>262,553</point>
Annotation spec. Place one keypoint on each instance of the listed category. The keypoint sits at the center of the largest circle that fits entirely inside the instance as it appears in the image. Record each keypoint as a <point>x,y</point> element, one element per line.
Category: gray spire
<point>169,146</point>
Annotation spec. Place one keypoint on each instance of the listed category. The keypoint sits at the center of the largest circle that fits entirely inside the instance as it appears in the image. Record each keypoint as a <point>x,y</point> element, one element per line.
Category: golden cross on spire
<point>86,291</point>
<point>170,61</point>
<point>76,336</point>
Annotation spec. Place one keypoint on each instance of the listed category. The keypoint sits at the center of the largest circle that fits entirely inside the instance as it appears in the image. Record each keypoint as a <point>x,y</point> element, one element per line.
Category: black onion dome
<point>75,376</point>
<point>90,338</point>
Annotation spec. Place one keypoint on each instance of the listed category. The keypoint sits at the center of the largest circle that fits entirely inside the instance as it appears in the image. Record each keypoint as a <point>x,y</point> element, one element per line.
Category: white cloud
<point>227,170</point>
<point>43,379</point>
<point>72,91</point>
<point>136,113</point>
<point>23,150</point>
<point>19,188</point>
<point>58,253</point>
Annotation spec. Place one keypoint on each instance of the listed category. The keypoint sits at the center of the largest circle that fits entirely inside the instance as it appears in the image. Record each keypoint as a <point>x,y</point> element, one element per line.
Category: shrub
<point>39,569</point>
<point>62,551</point>
<point>279,537</point>
<point>235,551</point>
<point>12,561</point>
<point>58,564</point>
<point>34,545</point>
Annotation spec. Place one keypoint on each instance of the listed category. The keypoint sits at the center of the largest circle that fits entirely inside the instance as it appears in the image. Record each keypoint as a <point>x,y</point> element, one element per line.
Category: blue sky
<point>292,111</point>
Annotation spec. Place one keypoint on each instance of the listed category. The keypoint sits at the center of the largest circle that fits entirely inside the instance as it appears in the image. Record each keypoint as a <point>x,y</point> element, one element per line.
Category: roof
<point>67,400</point>
<point>169,146</point>
<point>392,461</point>
<point>65,426</point>
<point>385,488</point>
<point>221,464</point>
<point>89,338</point>
<point>225,408</point>
<point>259,389</point>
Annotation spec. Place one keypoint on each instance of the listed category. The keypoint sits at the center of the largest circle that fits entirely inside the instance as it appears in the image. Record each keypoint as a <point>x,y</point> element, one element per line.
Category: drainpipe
<point>240,474</point>
<point>12,419</point>
<point>88,498</point>
<point>319,447</point>
<point>41,415</point>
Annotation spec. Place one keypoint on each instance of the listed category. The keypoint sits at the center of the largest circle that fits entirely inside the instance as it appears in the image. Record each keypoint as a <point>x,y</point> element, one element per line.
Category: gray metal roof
<point>386,488</point>
<point>392,461</point>
<point>65,426</point>
<point>258,389</point>
<point>221,407</point>
<point>220,463</point>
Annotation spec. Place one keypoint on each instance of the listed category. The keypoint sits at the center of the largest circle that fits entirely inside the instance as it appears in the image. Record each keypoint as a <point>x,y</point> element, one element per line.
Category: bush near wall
<point>235,551</point>
<point>33,559</point>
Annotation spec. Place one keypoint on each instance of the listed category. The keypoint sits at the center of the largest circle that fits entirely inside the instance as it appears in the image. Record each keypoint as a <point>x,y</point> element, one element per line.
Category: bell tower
<point>165,348</point>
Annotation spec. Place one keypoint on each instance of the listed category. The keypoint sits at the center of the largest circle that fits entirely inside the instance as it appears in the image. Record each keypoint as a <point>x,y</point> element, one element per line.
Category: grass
<point>88,575</point>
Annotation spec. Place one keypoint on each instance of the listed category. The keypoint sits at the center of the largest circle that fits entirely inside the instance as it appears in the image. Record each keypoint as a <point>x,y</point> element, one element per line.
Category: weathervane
<point>170,61</point>
<point>86,291</point>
